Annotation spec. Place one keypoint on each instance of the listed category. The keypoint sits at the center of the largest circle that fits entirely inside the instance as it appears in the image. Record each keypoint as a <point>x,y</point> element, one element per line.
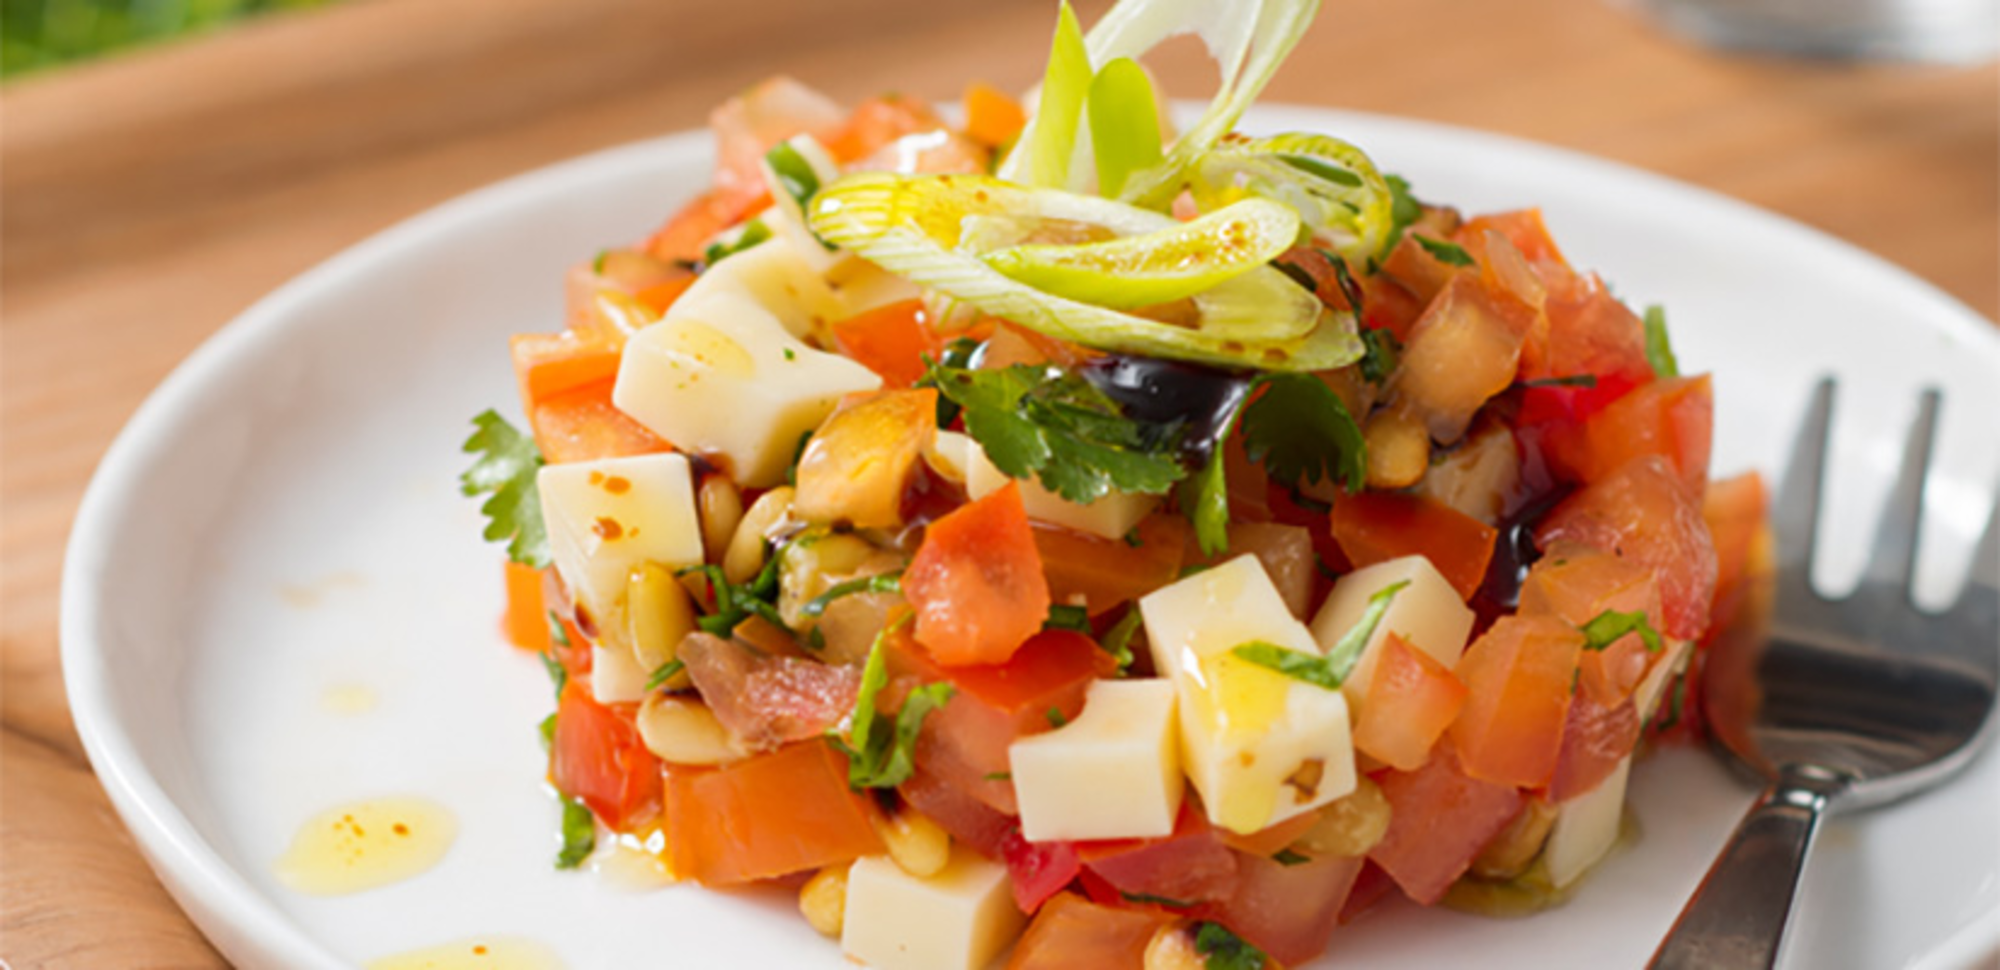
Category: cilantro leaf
<point>579,834</point>
<point>1205,501</point>
<point>1148,899</point>
<point>1659,351</point>
<point>734,604</point>
<point>1381,353</point>
<point>1063,616</point>
<point>1118,640</point>
<point>1300,432</point>
<point>753,232</point>
<point>1404,210</point>
<point>1056,426</point>
<point>1333,669</point>
<point>506,467</point>
<point>1610,626</point>
<point>1223,950</point>
<point>880,748</point>
<point>1450,254</point>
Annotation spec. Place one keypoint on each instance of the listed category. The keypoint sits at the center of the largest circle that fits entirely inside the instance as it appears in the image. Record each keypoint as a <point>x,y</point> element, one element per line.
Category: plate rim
<point>244,923</point>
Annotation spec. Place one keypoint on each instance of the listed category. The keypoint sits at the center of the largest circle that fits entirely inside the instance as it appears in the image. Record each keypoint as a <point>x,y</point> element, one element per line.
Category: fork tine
<point>1986,556</point>
<point>1895,551</point>
<point>1795,509</point>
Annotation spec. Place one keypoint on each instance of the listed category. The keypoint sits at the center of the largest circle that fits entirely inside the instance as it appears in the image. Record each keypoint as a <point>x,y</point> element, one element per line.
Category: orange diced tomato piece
<point>1103,573</point>
<point>1576,584</point>
<point>1522,227</point>
<point>1190,865</point>
<point>992,118</point>
<point>775,814</point>
<point>1734,509</point>
<point>1595,738</point>
<point>581,424</point>
<point>1272,838</point>
<point>1411,702</point>
<point>1645,513</point>
<point>976,582</point>
<point>1589,332</point>
<point>1288,911</point>
<point>526,623</point>
<point>1071,931</point>
<point>1374,527</point>
<point>970,821</point>
<point>1672,418</point>
<point>548,364</point>
<point>660,297</point>
<point>1439,820</point>
<point>1517,677</point>
<point>877,122</point>
<point>892,340</point>
<point>598,758</point>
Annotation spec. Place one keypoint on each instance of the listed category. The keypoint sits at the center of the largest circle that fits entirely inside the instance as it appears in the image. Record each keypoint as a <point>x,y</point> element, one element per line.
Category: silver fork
<point>1846,704</point>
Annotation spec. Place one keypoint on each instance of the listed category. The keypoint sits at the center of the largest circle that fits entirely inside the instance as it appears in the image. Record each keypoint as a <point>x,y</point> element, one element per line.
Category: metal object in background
<point>1945,31</point>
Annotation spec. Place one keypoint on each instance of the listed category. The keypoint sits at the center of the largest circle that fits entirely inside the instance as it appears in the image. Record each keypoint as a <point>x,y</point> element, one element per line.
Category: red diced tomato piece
<point>598,758</point>
<point>1411,702</point>
<point>778,813</point>
<point>1525,229</point>
<point>1734,509</point>
<point>1370,887</point>
<point>970,821</point>
<point>687,232</point>
<point>1288,911</point>
<point>1576,584</point>
<point>976,582</point>
<point>1272,838</point>
<point>1374,527</point>
<point>1672,418</point>
<point>526,623</point>
<point>1439,820</point>
<point>1589,332</point>
<point>965,743</point>
<point>1517,677</point>
<point>1595,738</point>
<point>891,340</point>
<point>766,700</point>
<point>581,424</point>
<point>1038,869</point>
<point>1104,573</point>
<point>1191,865</point>
<point>1645,514</point>
<point>1071,931</point>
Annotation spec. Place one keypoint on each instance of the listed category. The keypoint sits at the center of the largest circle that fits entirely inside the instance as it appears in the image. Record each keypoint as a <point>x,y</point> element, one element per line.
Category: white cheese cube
<point>1586,827</point>
<point>775,274</point>
<point>724,378</point>
<point>1260,746</point>
<point>1110,517</point>
<point>1113,772</point>
<point>605,517</point>
<point>1653,687</point>
<point>959,919</point>
<point>1428,614</point>
<point>615,675</point>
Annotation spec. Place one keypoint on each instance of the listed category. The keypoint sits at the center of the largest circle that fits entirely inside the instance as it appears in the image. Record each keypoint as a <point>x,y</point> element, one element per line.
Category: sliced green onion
<point>795,174</point>
<point>1171,264</point>
<point>1124,123</point>
<point>1332,185</point>
<point>1044,153</point>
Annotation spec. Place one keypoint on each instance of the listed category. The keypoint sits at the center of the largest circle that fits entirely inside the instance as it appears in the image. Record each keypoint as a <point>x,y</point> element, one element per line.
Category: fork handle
<point>1736,918</point>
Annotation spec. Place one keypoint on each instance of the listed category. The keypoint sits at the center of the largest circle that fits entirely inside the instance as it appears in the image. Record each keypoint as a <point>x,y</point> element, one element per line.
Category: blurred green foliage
<point>35,34</point>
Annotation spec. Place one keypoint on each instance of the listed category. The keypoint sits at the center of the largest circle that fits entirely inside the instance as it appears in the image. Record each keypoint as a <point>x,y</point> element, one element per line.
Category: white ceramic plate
<point>281,519</point>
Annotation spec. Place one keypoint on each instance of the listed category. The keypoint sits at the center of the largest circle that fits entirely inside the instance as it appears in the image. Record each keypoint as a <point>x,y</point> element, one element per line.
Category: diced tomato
<point>1522,227</point>
<point>1595,738</point>
<point>1370,887</point>
<point>1189,866</point>
<point>526,622</point>
<point>1272,838</point>
<point>1417,271</point>
<point>1439,820</point>
<point>687,232</point>
<point>572,649</point>
<point>877,122</point>
<point>892,340</point>
<point>992,118</point>
<point>1644,513</point>
<point>581,424</point>
<point>965,742</point>
<point>1288,911</point>
<point>548,364</point>
<point>1672,418</point>
<point>598,757</point>
<point>747,125</point>
<point>764,700</point>
<point>661,297</point>
<point>778,813</point>
<point>976,582</point>
<point>1038,869</point>
<point>1461,352</point>
<point>969,821</point>
<point>1411,702</point>
<point>1576,584</point>
<point>1104,573</point>
<point>1071,931</point>
<point>1734,509</point>
<point>1589,332</point>
<point>1374,527</point>
<point>1517,677</point>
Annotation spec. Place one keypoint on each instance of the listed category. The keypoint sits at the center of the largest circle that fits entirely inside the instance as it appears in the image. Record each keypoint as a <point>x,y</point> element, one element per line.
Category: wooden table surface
<point>150,198</point>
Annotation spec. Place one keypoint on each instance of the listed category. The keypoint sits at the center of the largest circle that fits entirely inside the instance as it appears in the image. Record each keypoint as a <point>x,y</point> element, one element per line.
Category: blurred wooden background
<point>147,199</point>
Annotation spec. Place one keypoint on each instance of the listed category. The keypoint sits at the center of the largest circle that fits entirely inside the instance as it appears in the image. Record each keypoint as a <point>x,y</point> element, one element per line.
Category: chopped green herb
<point>735,603</point>
<point>508,461</point>
<point>1000,776</point>
<point>1404,211</point>
<point>1224,950</point>
<point>1571,380</point>
<point>1055,716</point>
<point>597,265</point>
<point>558,633</point>
<point>667,672</point>
<point>795,174</point>
<point>1675,701</point>
<point>1132,538</point>
<point>1287,857</point>
<point>1058,427</point>
<point>1205,501</point>
<point>547,729</point>
<point>798,455</point>
<point>1149,899</point>
<point>791,354</point>
<point>1297,273</point>
<point>1320,168</point>
<point>1118,640</point>
<point>880,748</point>
<point>1333,669</point>
<point>1300,432</point>
<point>1063,616</point>
<point>1659,350</point>
<point>1608,627</point>
<point>880,583</point>
<point>1192,568</point>
<point>753,233</point>
<point>558,674</point>
<point>1381,353</point>
<point>579,834</point>
<point>1451,254</point>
